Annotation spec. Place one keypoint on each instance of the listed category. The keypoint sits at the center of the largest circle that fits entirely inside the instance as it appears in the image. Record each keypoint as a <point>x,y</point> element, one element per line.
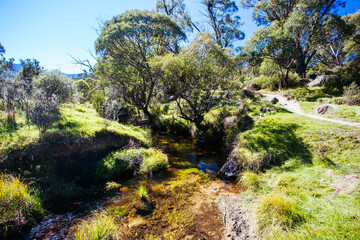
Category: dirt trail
<point>294,106</point>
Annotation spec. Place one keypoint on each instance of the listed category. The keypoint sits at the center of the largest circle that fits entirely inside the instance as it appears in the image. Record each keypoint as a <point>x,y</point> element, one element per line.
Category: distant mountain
<point>18,67</point>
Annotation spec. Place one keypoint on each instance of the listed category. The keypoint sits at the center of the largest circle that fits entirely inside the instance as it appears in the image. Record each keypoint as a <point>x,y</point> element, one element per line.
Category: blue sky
<point>50,30</point>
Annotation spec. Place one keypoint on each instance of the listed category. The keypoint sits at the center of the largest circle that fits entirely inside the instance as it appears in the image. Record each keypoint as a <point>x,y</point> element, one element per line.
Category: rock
<point>274,100</point>
<point>319,81</point>
<point>248,93</point>
<point>303,82</point>
<point>253,87</point>
<point>324,109</point>
<point>230,169</point>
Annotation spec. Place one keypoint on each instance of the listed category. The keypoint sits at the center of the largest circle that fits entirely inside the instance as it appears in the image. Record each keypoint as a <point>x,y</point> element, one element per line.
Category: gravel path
<point>294,106</point>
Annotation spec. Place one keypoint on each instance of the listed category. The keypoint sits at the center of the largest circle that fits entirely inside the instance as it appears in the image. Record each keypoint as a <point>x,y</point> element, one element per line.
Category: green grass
<point>303,182</point>
<point>101,227</point>
<point>75,121</point>
<point>18,204</point>
<point>341,111</point>
<point>140,160</point>
<point>142,192</point>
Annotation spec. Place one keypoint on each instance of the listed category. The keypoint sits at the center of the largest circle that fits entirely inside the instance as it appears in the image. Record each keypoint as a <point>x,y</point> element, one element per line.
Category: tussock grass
<point>138,160</point>
<point>142,192</point>
<point>250,180</point>
<point>19,204</point>
<point>278,212</point>
<point>101,227</point>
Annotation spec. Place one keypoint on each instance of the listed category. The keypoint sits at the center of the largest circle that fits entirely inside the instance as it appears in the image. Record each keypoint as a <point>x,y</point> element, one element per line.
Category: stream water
<point>208,158</point>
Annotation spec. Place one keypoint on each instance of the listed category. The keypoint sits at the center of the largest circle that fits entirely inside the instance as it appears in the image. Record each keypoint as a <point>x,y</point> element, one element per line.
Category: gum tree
<point>300,20</point>
<point>194,76</point>
<point>125,46</point>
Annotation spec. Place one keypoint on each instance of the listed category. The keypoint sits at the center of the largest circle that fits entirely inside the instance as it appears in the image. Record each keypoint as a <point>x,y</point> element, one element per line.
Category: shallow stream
<point>208,158</point>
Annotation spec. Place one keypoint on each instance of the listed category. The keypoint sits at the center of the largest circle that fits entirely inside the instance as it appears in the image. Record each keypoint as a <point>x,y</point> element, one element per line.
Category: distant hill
<point>18,67</point>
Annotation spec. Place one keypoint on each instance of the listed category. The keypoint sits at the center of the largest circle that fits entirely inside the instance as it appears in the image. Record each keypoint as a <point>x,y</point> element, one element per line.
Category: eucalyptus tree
<point>221,15</point>
<point>194,76</point>
<point>126,44</point>
<point>176,9</point>
<point>300,20</point>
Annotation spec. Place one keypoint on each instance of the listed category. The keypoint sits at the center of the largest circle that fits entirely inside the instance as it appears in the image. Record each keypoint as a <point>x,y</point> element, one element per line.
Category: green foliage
<point>138,160</point>
<point>125,46</point>
<point>98,102</point>
<point>55,85</point>
<point>101,227</point>
<point>276,211</point>
<point>268,82</point>
<point>352,94</point>
<point>18,205</point>
<point>194,75</point>
<point>307,94</point>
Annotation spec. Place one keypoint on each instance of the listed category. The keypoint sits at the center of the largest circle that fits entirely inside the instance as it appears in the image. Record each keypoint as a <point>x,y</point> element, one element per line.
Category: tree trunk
<point>301,65</point>
<point>149,116</point>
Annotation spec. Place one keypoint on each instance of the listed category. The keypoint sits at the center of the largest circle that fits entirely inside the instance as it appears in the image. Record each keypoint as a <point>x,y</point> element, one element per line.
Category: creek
<point>205,157</point>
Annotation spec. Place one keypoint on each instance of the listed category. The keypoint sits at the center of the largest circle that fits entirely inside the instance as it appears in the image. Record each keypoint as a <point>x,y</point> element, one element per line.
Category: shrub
<point>274,211</point>
<point>101,227</point>
<point>42,111</point>
<point>98,102</point>
<point>268,82</point>
<point>352,94</point>
<point>140,159</point>
<point>55,85</point>
<point>19,205</point>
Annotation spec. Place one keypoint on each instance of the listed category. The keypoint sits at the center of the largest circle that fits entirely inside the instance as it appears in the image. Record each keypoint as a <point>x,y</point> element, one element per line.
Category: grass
<point>19,205</point>
<point>142,192</point>
<point>140,160</point>
<point>76,121</point>
<point>297,198</point>
<point>101,227</point>
<point>340,111</point>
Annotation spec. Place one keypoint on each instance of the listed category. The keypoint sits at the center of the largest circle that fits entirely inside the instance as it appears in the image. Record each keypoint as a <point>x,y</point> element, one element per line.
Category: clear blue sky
<point>50,30</point>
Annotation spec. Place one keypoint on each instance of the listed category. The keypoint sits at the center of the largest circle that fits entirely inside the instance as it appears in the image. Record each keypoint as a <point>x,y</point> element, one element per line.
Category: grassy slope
<point>75,121</point>
<point>309,182</point>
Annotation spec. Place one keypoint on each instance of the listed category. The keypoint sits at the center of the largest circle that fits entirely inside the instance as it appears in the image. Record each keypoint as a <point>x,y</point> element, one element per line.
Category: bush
<point>274,211</point>
<point>55,85</point>
<point>140,160</point>
<point>268,82</point>
<point>101,227</point>
<point>352,94</point>
<point>19,206</point>
<point>42,111</point>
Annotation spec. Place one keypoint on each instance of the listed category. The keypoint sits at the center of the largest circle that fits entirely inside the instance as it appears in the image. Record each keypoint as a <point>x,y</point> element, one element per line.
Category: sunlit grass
<point>18,203</point>
<point>297,199</point>
<point>101,227</point>
<point>140,160</point>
